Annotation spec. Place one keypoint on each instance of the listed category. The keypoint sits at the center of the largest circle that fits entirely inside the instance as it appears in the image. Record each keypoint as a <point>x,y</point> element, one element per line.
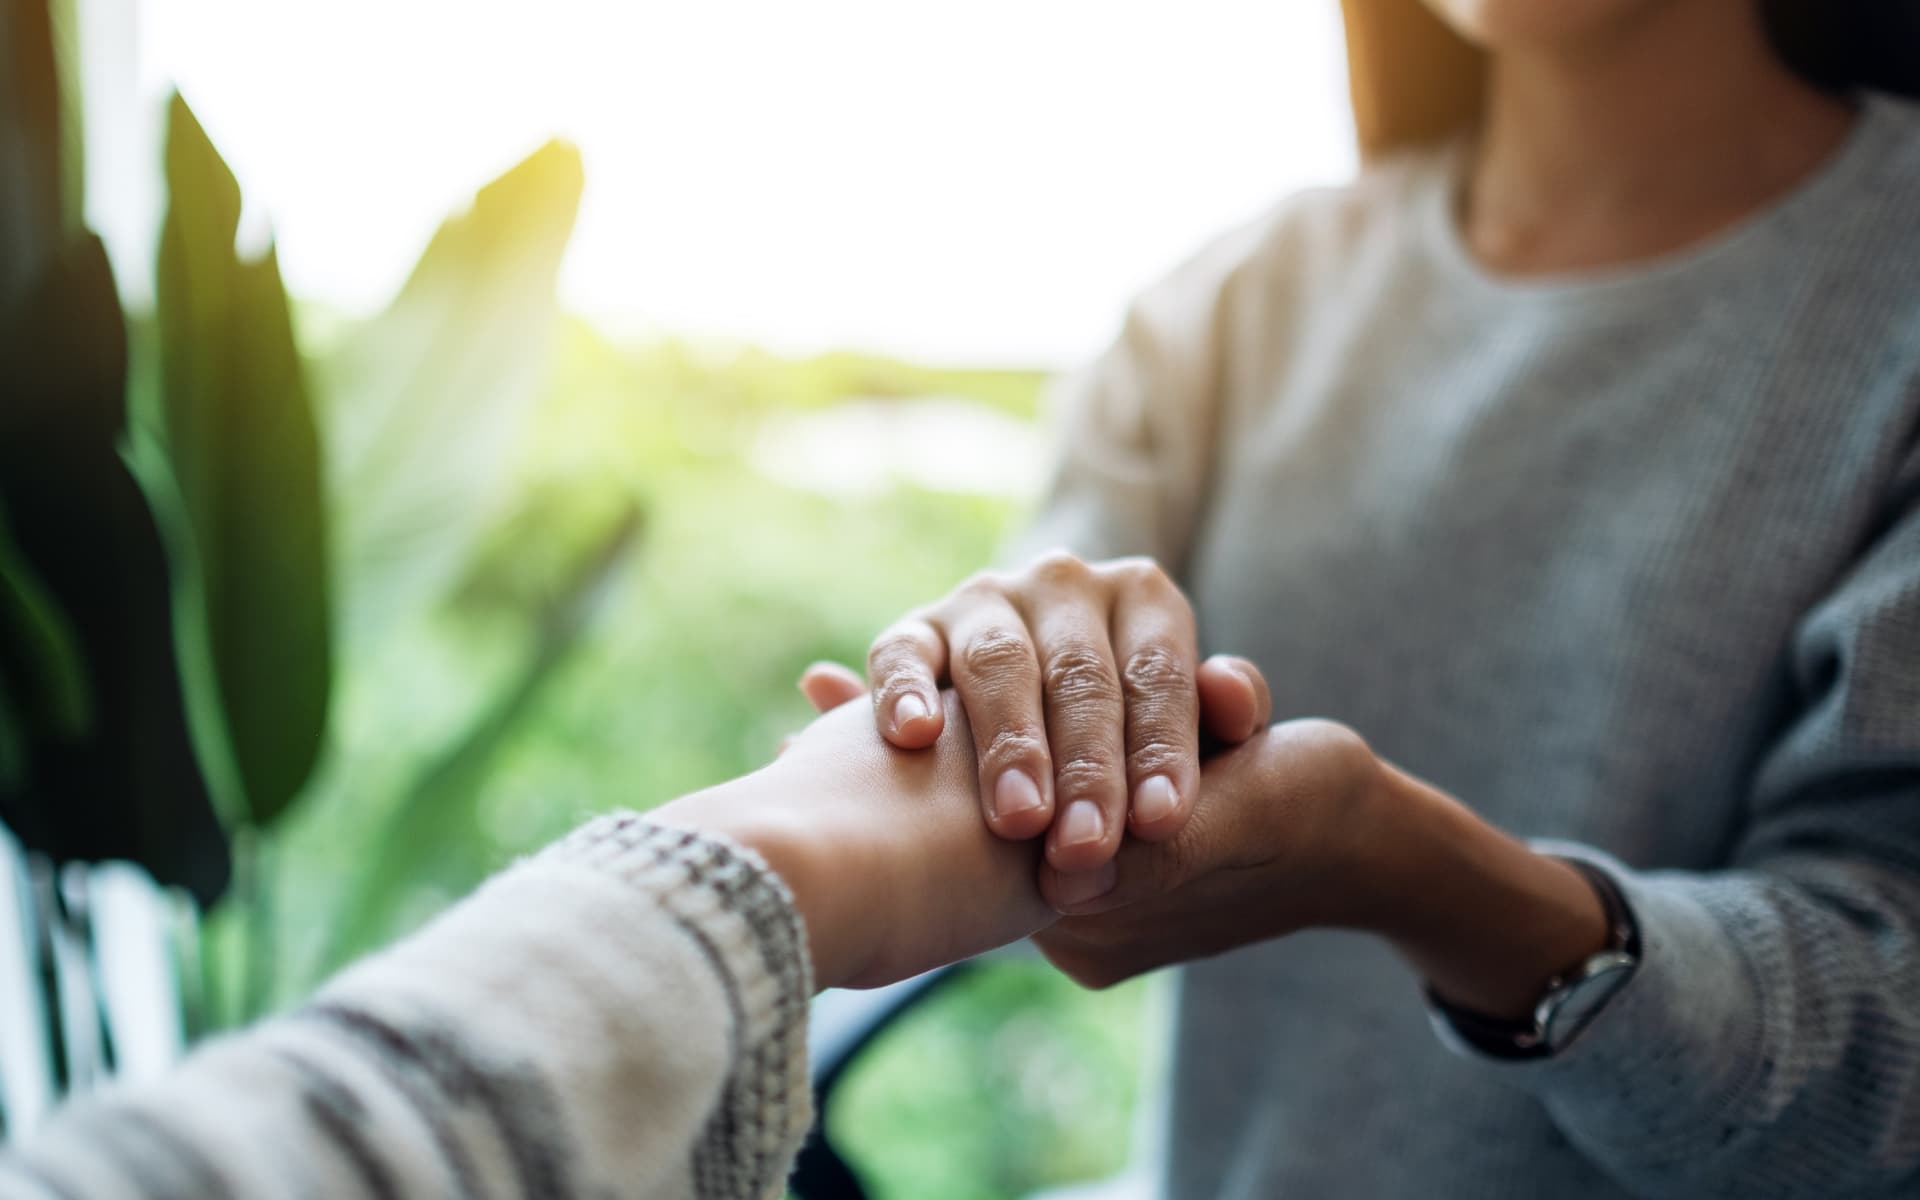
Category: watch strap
<point>1530,1037</point>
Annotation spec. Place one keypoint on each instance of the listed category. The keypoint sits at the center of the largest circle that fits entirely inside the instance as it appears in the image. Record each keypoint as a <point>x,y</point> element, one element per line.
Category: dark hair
<point>1848,45</point>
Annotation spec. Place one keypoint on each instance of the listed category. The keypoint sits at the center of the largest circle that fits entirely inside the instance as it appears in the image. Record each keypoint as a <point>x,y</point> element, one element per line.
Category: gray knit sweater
<point>1630,561</point>
<point>624,1015</point>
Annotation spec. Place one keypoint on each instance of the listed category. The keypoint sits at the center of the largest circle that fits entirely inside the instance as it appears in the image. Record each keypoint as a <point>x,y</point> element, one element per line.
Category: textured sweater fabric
<point>1628,561</point>
<point>622,1015</point>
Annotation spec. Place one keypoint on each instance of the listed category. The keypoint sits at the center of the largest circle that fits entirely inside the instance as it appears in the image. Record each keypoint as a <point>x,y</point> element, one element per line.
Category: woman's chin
<point>1505,25</point>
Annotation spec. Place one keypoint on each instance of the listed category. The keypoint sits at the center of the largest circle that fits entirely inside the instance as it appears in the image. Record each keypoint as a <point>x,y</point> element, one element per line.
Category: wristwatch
<point>1570,1000</point>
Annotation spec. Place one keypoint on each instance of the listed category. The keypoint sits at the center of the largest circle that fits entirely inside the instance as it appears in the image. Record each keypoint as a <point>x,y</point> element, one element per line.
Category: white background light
<point>981,182</point>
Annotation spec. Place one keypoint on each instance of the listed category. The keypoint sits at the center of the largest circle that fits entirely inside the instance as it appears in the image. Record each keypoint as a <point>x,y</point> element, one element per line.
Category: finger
<point>1230,831</point>
<point>905,666</point>
<point>997,675</point>
<point>1089,963</point>
<point>1235,702</point>
<point>1153,642</point>
<point>828,685</point>
<point>1085,722</point>
<point>1080,893</point>
<point>1142,871</point>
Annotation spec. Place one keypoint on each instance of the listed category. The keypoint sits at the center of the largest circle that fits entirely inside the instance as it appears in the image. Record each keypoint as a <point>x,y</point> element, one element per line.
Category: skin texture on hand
<point>1234,703</point>
<point>1280,841</point>
<point>1303,827</point>
<point>1085,692</point>
<point>884,850</point>
<point>1300,825</point>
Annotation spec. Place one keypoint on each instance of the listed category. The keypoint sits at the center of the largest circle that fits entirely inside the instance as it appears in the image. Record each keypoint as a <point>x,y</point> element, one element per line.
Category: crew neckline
<point>1855,154</point>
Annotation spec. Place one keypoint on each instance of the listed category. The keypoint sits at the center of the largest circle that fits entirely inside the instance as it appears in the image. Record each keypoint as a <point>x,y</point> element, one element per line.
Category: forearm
<point>624,1008</point>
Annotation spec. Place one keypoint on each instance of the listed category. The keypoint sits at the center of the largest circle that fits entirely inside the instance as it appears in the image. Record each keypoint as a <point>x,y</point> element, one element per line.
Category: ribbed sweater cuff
<point>727,896</point>
<point>1662,1071</point>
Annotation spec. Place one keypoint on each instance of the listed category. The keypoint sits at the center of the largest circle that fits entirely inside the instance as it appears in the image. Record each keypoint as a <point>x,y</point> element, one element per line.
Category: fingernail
<point>908,709</point>
<point>1081,823</point>
<point>1084,887</point>
<point>1155,799</point>
<point>1014,792</point>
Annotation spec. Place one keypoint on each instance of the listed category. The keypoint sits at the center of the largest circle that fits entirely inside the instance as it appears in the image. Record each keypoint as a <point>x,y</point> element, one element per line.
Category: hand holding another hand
<point>1085,693</point>
<point>1285,837</point>
<point>1084,675</point>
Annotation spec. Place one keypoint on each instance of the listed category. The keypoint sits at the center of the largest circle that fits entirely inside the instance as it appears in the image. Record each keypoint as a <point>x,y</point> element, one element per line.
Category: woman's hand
<point>1303,827</point>
<point>1085,695</point>
<point>884,850</point>
<point>1279,841</point>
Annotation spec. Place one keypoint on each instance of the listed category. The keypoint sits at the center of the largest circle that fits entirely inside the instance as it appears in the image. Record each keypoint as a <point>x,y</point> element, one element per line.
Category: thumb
<point>828,685</point>
<point>1235,702</point>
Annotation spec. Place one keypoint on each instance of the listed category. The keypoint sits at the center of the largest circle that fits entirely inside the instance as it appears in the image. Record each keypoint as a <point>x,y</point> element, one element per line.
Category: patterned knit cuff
<point>727,898</point>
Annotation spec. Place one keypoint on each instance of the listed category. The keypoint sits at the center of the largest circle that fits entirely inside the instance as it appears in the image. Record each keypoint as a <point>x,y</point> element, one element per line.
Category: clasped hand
<point>1177,823</point>
<point>1069,701</point>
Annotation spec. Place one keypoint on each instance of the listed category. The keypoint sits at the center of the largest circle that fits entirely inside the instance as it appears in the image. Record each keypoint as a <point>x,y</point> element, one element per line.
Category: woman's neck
<point>1677,126</point>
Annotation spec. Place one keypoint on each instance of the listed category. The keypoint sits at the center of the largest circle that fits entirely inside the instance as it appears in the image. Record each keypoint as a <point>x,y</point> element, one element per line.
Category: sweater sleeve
<point>1769,1043</point>
<point>623,1014</point>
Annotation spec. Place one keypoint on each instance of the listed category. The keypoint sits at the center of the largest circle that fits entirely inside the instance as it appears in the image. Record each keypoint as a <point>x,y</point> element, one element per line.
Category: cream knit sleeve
<point>622,1015</point>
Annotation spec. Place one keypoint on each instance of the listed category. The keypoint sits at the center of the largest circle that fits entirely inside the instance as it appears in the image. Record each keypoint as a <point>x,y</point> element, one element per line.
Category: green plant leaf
<point>130,786</point>
<point>244,454</point>
<point>63,18</point>
<point>424,406</point>
<point>437,812</point>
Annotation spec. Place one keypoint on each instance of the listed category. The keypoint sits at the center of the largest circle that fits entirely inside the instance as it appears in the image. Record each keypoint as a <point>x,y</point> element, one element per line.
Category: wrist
<point>753,812</point>
<point>1482,917</point>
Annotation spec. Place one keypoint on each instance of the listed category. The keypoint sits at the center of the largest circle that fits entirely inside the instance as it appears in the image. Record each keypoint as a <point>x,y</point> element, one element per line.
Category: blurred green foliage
<point>1010,1080</point>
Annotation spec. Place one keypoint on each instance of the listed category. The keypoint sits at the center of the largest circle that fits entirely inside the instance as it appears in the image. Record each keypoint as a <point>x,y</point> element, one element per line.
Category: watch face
<point>1582,1000</point>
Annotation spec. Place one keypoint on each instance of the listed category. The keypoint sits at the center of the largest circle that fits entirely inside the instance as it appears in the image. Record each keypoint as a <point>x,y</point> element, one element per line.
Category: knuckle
<point>1331,738</point>
<point>995,653</point>
<point>1154,671</point>
<point>1156,758</point>
<point>1137,569</point>
<point>1014,745</point>
<point>981,585</point>
<point>1145,575</point>
<point>889,650</point>
<point>895,666</point>
<point>1085,778</point>
<point>1080,675</point>
<point>1059,566</point>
